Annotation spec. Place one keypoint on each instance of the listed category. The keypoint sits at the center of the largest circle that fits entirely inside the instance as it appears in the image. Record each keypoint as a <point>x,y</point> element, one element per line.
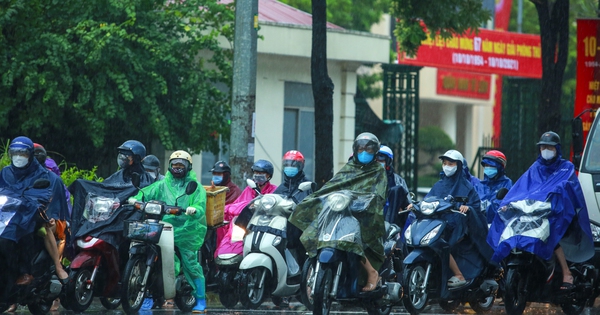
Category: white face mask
<point>449,170</point>
<point>548,154</point>
<point>19,161</point>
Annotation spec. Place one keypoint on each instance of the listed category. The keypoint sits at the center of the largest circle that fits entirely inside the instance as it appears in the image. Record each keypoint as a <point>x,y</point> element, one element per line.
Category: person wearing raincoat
<point>362,174</point>
<point>493,163</point>
<point>189,229</point>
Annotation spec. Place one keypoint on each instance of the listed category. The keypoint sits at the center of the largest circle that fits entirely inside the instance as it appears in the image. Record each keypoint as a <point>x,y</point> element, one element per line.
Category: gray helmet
<point>151,162</point>
<point>368,140</point>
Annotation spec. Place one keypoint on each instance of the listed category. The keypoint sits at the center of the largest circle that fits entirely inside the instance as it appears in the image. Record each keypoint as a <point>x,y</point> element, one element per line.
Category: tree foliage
<point>356,15</point>
<point>446,18</point>
<point>81,77</point>
<point>433,141</point>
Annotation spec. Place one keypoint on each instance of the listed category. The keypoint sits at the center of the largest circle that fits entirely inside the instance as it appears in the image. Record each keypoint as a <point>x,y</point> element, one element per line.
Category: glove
<point>190,210</point>
<point>131,200</point>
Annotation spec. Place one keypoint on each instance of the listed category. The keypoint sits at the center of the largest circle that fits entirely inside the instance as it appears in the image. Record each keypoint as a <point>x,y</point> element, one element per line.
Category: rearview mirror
<point>41,183</point>
<point>251,183</point>
<point>304,186</point>
<point>135,180</point>
<point>577,133</point>
<point>501,193</point>
<point>191,187</point>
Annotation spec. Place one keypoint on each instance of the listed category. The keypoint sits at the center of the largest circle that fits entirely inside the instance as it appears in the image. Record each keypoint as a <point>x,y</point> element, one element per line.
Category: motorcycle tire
<point>415,299</point>
<point>41,307</point>
<point>109,303</point>
<point>184,298</point>
<point>79,296</point>
<point>515,297</point>
<point>251,293</point>
<point>481,306</point>
<point>323,286</point>
<point>379,310</point>
<point>305,291</point>
<point>228,289</point>
<point>449,305</point>
<point>132,295</point>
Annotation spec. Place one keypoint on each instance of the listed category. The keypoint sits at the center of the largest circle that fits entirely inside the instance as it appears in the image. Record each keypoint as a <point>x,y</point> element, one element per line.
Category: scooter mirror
<point>251,183</point>
<point>191,187</point>
<point>135,180</point>
<point>304,186</point>
<point>501,193</point>
<point>41,183</point>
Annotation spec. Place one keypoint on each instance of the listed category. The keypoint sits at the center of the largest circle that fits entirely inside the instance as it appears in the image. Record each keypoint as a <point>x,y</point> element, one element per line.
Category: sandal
<point>168,305</point>
<point>55,305</point>
<point>455,282</point>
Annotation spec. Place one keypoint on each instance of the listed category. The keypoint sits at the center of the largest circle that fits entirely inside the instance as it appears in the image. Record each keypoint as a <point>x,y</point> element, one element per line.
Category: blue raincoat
<point>554,181</point>
<point>488,189</point>
<point>19,181</point>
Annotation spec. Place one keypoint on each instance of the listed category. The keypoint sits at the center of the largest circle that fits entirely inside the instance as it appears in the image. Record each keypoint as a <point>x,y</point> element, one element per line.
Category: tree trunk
<point>554,33</point>
<point>322,87</point>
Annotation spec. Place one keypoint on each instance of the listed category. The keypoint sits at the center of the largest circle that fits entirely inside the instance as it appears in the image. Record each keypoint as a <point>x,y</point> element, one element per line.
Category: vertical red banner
<point>501,21</point>
<point>587,92</point>
<point>502,16</point>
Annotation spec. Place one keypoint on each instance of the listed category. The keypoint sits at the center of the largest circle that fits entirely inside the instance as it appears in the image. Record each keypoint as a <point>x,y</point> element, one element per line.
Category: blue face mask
<point>490,171</point>
<point>365,157</point>
<point>290,171</point>
<point>217,179</point>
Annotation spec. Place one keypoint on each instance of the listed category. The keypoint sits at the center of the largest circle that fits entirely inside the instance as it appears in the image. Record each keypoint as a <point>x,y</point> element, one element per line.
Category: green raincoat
<point>189,230</point>
<point>358,178</point>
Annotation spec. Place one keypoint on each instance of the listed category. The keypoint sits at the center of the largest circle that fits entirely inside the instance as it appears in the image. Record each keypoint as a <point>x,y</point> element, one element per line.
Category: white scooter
<point>268,267</point>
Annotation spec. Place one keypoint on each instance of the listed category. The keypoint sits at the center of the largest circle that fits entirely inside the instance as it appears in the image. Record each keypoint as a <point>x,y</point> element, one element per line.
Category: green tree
<point>356,15</point>
<point>446,18</point>
<point>82,77</point>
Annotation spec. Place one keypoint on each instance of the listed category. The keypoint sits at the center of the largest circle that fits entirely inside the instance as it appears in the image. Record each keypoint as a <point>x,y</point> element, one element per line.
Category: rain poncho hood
<point>355,177</point>
<point>554,181</point>
<point>189,230</point>
<point>487,191</point>
<point>18,181</point>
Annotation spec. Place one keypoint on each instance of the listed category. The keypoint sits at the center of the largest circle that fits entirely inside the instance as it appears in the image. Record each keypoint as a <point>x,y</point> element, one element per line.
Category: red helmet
<point>293,158</point>
<point>495,156</point>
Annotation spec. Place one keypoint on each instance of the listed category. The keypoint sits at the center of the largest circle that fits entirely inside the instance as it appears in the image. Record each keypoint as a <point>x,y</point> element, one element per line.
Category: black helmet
<point>365,140</point>
<point>549,138</point>
<point>221,167</point>
<point>151,162</point>
<point>263,166</point>
<point>135,148</point>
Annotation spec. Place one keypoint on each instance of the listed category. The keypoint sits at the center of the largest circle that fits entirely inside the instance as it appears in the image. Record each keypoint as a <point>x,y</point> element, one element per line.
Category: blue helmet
<point>21,143</point>
<point>263,166</point>
<point>136,148</point>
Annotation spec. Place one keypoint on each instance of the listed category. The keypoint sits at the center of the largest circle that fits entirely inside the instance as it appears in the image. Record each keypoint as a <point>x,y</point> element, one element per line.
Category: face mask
<point>382,164</point>
<point>152,174</point>
<point>449,170</point>
<point>19,161</point>
<point>217,179</point>
<point>122,161</point>
<point>178,172</point>
<point>547,154</point>
<point>490,171</point>
<point>365,157</point>
<point>260,179</point>
<point>290,171</point>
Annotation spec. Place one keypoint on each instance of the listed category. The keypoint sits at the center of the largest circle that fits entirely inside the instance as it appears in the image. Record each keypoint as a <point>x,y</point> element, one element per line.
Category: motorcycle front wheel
<point>185,300</point>
<point>308,280</point>
<point>252,292</point>
<point>416,296</point>
<point>109,303</point>
<point>80,294</point>
<point>132,294</point>
<point>484,305</point>
<point>228,289</point>
<point>322,298</point>
<point>515,297</point>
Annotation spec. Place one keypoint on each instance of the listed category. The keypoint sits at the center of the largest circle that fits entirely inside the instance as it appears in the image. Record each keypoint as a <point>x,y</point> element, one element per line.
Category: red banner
<point>502,17</point>
<point>587,92</point>
<point>463,84</point>
<point>492,52</point>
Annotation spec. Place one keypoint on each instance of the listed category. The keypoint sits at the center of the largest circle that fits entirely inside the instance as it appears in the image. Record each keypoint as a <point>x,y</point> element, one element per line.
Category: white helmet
<point>452,155</point>
<point>384,149</point>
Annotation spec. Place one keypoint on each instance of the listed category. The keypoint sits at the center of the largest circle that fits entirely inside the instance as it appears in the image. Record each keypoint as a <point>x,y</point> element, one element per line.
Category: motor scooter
<point>426,266</point>
<point>269,268</point>
<point>98,265</point>
<point>228,264</point>
<point>45,287</point>
<point>151,266</point>
<point>529,278</point>
<point>332,274</point>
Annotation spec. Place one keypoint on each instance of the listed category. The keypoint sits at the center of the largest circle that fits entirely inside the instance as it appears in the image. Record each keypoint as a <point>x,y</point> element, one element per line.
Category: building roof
<point>277,12</point>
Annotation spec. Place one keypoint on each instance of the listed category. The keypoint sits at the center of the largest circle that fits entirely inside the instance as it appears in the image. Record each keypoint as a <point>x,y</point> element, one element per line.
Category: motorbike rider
<point>262,173</point>
<point>19,176</point>
<point>129,159</point>
<point>152,165</point>
<point>398,194</point>
<point>189,229</point>
<point>494,178</point>
<point>361,173</point>
<point>464,263</point>
<point>222,177</point>
<point>551,178</point>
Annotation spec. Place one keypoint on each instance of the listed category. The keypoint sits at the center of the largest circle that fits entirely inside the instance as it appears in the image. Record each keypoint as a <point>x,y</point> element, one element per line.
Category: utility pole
<point>241,156</point>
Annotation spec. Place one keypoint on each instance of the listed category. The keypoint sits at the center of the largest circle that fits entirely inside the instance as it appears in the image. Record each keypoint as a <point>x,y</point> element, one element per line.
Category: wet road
<point>214,307</point>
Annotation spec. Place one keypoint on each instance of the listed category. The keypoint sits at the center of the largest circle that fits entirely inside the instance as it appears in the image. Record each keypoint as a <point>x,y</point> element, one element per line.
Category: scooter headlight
<point>595,232</point>
<point>153,208</point>
<point>429,236</point>
<point>427,208</point>
<point>268,202</point>
<point>407,235</point>
<point>338,202</point>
